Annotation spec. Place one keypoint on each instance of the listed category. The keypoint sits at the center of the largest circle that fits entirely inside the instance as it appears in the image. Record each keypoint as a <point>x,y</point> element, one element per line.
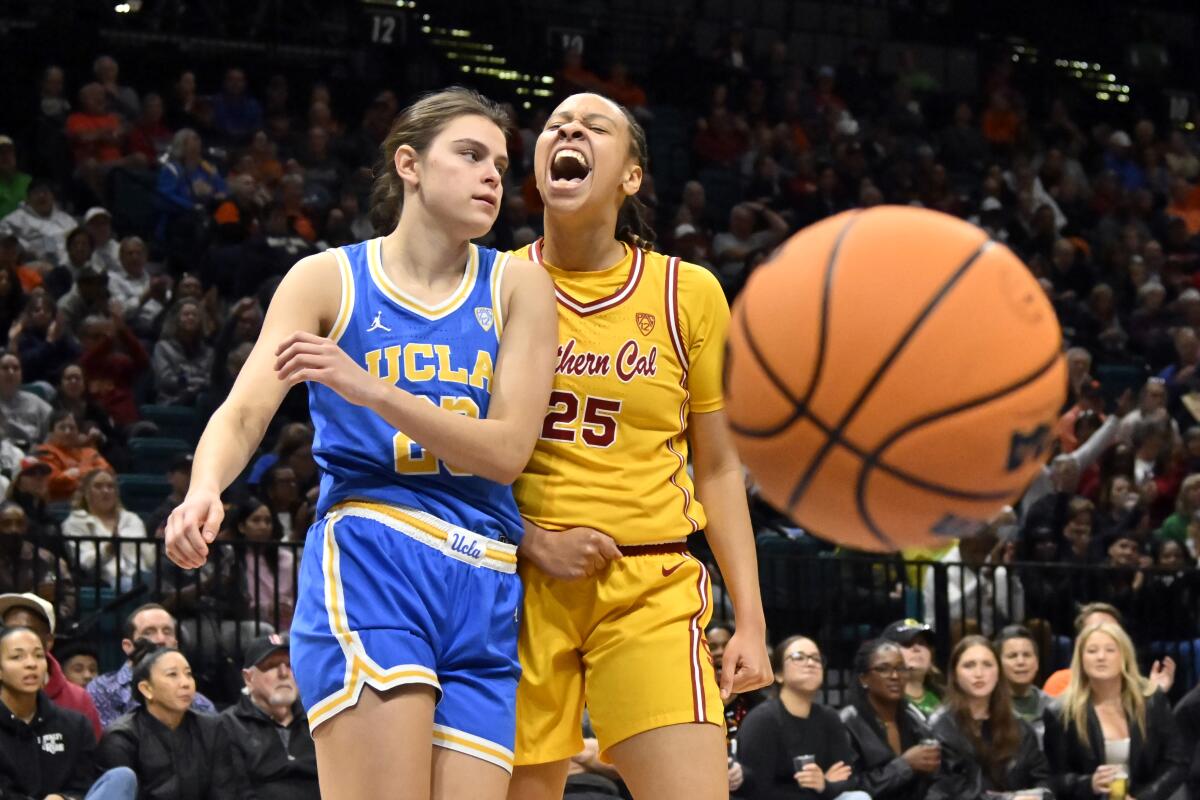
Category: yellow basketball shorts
<point>629,642</point>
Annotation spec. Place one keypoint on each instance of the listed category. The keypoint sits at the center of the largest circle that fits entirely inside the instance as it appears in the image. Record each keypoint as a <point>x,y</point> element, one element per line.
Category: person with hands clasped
<point>895,754</point>
<point>1115,726</point>
<point>792,741</point>
<point>429,362</point>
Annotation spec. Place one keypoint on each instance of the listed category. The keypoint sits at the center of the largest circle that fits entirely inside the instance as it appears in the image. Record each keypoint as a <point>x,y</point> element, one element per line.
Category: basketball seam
<point>799,405</point>
<point>815,464</point>
<point>873,460</point>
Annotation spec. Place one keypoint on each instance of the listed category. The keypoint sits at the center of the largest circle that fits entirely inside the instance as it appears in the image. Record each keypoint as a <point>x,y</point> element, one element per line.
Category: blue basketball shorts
<point>392,596</point>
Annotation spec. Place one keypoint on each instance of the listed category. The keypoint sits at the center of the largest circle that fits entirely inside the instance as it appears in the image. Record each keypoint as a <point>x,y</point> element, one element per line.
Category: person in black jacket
<point>1113,718</point>
<point>46,751</point>
<point>985,746</point>
<point>268,727</point>
<point>1187,717</point>
<point>791,725</point>
<point>893,759</point>
<point>177,753</point>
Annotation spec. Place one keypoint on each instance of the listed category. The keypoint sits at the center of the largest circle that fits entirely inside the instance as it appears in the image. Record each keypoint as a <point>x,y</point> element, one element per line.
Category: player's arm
<point>497,447</point>
<point>303,302</point>
<point>720,484</point>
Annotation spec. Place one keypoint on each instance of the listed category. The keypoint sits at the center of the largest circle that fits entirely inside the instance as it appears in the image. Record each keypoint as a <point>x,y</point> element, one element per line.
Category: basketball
<point>893,378</point>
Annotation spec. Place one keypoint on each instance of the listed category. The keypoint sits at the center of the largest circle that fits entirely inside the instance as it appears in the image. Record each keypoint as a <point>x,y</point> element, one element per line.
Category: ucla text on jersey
<point>445,353</point>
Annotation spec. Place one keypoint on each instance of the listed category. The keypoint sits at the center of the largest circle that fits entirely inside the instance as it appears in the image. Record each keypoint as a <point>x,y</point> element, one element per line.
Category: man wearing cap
<point>31,611</point>
<point>112,692</point>
<point>98,222</point>
<point>13,183</point>
<point>268,727</point>
<point>25,567</point>
<point>916,642</point>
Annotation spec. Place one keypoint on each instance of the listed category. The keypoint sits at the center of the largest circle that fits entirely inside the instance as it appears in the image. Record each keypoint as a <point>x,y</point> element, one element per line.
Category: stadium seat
<point>40,389</point>
<point>142,493</point>
<point>155,454</point>
<point>178,422</point>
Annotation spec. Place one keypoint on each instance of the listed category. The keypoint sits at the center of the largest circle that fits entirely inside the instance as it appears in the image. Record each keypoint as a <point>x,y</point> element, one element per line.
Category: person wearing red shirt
<point>112,360</point>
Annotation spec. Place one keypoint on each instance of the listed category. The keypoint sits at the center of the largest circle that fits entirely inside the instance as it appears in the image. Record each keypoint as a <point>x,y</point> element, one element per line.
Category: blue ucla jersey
<point>444,353</point>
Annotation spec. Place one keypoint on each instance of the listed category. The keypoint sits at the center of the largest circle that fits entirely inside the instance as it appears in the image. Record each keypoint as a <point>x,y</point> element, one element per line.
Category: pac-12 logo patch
<point>485,317</point>
<point>645,322</point>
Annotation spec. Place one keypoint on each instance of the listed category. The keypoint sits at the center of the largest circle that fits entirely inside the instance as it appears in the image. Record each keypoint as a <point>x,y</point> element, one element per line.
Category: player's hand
<point>737,776</point>
<point>746,665</point>
<point>568,555</point>
<point>305,356</point>
<point>1162,674</point>
<point>193,526</point>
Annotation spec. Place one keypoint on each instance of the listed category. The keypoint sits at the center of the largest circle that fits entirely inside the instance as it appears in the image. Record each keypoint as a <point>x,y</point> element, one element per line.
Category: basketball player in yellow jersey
<point>615,608</point>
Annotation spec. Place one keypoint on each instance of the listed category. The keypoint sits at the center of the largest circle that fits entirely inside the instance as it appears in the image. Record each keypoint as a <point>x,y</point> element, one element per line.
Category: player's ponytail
<point>417,126</point>
<point>633,226</point>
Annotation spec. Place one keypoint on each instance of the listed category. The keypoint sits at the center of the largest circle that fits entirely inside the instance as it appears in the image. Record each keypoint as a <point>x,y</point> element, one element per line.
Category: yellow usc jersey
<point>641,346</point>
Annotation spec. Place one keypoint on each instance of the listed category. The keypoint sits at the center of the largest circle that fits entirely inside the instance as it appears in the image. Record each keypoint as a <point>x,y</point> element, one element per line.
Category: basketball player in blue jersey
<point>429,363</point>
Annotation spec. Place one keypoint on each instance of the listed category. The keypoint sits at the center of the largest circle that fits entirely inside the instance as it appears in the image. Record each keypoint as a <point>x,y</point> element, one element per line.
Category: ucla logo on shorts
<point>466,546</point>
<point>485,317</point>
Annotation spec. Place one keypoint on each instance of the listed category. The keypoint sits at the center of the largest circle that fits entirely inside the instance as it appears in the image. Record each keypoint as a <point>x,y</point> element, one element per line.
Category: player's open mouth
<point>569,168</point>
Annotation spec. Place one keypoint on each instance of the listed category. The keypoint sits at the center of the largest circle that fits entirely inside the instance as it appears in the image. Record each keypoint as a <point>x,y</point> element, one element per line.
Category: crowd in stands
<point>117,324</point>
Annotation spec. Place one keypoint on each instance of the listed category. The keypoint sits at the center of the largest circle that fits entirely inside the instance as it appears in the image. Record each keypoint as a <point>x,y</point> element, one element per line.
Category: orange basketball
<point>893,377</point>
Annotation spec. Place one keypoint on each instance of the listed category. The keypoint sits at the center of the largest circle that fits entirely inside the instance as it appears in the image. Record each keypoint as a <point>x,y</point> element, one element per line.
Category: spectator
<point>98,222</point>
<point>1152,407</point>
<point>112,361</point>
<point>1186,504</point>
<point>96,136</point>
<point>121,100</point>
<point>29,488</point>
<point>1114,718</point>
<point>143,297</point>
<point>733,248</point>
<point>270,570</point>
<point>26,416</point>
<point>1162,674</point>
<point>924,684</point>
<point>88,298</point>
<point>99,515</point>
<point>236,115</point>
<point>80,663</point>
<point>176,753</point>
<point>979,589</point>
<point>113,691</point>
<point>149,137</point>
<point>268,727</point>
<point>179,475</point>
<point>38,223</point>
<point>46,751</point>
<point>1019,663</point>
<point>986,747</point>
<point>26,567</point>
<point>280,490</point>
<point>891,761</point>
<point>12,285</point>
<point>68,455</point>
<point>182,359</point>
<point>31,611</point>
<point>41,340</point>
<point>95,426</point>
<point>794,724</point>
<point>187,185</point>
<point>14,184</point>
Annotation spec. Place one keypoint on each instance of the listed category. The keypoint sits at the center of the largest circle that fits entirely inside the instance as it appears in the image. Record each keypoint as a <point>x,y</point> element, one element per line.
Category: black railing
<point>247,589</point>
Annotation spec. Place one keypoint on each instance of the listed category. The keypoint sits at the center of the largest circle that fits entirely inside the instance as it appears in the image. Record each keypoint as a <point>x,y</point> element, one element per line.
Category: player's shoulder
<point>694,283</point>
<point>523,275</point>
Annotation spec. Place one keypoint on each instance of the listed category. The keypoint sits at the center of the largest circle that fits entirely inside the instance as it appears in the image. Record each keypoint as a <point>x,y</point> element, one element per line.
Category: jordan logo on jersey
<point>377,324</point>
<point>645,322</point>
<point>485,317</point>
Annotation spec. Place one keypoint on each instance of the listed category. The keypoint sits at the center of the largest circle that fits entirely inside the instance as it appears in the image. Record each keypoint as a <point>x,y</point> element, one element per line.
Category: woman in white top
<point>99,513</point>
<point>1113,723</point>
